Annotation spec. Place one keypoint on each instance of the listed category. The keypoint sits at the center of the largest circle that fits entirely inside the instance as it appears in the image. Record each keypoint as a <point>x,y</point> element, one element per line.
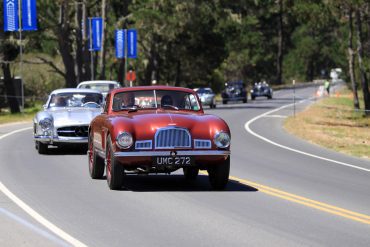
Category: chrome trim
<point>155,98</point>
<point>144,143</point>
<point>168,153</point>
<point>208,144</point>
<point>49,139</point>
<point>159,130</point>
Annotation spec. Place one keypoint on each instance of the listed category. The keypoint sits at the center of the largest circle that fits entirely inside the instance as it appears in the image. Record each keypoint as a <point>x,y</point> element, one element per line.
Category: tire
<point>219,175</point>
<point>253,98</point>
<point>96,163</point>
<point>191,173</point>
<point>114,170</point>
<point>42,148</point>
<point>245,100</point>
<point>224,102</point>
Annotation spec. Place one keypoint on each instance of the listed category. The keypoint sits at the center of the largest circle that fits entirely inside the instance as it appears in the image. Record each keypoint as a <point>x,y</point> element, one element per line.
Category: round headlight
<point>124,140</point>
<point>46,124</point>
<point>222,139</point>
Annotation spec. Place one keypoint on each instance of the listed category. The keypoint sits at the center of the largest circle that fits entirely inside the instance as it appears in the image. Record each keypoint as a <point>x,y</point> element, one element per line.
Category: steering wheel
<point>91,104</point>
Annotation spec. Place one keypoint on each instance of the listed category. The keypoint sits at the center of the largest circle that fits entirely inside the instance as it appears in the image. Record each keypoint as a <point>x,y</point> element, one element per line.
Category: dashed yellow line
<point>363,218</point>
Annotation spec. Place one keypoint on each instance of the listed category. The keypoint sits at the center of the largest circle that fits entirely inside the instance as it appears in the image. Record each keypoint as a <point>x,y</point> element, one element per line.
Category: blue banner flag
<point>132,43</point>
<point>96,33</point>
<point>120,43</point>
<point>11,22</point>
<point>29,20</point>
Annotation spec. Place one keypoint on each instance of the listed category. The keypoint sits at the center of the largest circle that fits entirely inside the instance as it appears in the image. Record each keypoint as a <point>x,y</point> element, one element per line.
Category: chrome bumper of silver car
<point>56,139</point>
<point>171,153</point>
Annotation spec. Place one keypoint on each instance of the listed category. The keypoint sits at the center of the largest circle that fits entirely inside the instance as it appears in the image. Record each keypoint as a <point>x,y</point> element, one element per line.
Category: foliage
<point>193,43</point>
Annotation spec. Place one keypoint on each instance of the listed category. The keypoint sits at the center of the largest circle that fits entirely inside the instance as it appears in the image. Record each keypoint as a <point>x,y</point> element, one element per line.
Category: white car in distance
<point>102,86</point>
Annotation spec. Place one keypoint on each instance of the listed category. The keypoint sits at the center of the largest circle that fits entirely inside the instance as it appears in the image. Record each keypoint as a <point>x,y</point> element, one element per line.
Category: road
<point>283,192</point>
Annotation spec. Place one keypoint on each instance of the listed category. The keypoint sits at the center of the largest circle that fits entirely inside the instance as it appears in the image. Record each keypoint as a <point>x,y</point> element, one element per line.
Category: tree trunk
<point>279,63</point>
<point>351,61</point>
<point>9,89</point>
<point>103,50</point>
<point>364,81</point>
<point>178,74</point>
<point>79,41</point>
<point>65,46</point>
<point>121,72</point>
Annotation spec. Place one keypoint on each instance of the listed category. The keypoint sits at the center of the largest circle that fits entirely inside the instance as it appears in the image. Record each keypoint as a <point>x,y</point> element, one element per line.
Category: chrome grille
<point>202,144</point>
<point>143,144</point>
<point>172,137</point>
<point>73,131</point>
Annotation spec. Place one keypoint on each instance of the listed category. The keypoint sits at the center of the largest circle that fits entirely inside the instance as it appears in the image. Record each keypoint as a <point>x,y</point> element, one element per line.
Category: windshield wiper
<point>170,106</point>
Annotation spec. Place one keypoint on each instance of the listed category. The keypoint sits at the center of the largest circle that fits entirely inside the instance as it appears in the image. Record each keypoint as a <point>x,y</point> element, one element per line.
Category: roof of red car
<point>139,88</point>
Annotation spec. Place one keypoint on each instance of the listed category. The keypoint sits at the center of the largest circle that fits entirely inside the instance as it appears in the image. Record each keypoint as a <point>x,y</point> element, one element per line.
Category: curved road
<point>283,192</point>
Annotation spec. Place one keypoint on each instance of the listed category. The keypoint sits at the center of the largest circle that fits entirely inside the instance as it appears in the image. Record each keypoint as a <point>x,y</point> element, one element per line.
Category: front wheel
<point>42,148</point>
<point>219,175</point>
<point>191,173</point>
<point>114,170</point>
<point>96,163</point>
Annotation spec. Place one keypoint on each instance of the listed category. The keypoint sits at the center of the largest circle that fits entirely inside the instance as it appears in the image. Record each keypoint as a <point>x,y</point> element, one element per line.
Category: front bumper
<point>201,157</point>
<point>60,139</point>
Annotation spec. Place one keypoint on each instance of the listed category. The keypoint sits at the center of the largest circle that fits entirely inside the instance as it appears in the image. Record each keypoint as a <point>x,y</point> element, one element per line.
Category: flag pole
<point>20,51</point>
<point>91,49</point>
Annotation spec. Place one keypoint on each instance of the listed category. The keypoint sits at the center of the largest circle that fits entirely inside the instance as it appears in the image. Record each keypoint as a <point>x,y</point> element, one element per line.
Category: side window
<point>106,103</point>
<point>191,103</point>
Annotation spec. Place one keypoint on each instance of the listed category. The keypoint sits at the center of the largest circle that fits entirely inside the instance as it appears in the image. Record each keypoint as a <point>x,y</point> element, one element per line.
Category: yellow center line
<point>304,201</point>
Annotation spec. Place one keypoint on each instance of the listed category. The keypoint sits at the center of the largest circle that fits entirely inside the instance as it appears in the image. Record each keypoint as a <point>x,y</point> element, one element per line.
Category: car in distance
<point>206,96</point>
<point>234,91</point>
<point>66,117</point>
<point>102,86</point>
<point>157,129</point>
<point>261,89</point>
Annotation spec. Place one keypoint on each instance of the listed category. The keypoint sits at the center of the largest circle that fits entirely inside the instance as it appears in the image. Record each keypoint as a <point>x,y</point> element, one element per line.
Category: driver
<point>89,98</point>
<point>128,99</point>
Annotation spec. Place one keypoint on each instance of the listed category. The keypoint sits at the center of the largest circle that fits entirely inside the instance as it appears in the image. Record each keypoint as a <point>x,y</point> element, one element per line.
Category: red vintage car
<point>157,129</point>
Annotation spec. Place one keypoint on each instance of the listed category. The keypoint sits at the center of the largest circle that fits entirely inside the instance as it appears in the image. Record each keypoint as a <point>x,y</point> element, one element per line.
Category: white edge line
<point>53,228</point>
<point>248,129</point>
<point>32,227</point>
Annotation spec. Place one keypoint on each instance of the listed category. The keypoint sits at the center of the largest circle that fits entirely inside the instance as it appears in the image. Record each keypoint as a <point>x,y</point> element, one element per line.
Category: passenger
<point>60,101</point>
<point>166,100</point>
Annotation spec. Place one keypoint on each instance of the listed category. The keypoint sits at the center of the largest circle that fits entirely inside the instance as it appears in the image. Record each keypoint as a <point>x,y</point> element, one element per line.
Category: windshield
<point>103,87</point>
<point>76,100</point>
<point>149,99</point>
<point>204,91</point>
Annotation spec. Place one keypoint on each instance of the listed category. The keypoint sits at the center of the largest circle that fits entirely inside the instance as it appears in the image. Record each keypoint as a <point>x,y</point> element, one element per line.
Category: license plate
<point>173,161</point>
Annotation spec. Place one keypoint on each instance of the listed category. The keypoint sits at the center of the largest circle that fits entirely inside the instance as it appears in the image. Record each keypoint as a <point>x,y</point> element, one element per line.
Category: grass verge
<point>26,116</point>
<point>333,123</point>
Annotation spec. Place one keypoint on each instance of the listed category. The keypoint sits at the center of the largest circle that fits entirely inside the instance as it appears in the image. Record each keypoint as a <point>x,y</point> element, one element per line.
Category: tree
<point>9,51</point>
<point>363,76</point>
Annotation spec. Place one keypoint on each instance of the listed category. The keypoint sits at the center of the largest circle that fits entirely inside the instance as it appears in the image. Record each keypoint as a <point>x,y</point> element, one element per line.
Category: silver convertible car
<point>66,117</point>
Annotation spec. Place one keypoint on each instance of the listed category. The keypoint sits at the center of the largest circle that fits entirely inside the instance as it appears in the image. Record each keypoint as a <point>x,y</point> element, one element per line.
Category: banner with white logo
<point>29,20</point>
<point>96,33</point>
<point>11,22</point>
<point>120,43</point>
<point>132,43</point>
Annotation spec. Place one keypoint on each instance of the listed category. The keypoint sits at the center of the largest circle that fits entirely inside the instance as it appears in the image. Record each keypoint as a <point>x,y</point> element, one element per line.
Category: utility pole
<point>102,53</point>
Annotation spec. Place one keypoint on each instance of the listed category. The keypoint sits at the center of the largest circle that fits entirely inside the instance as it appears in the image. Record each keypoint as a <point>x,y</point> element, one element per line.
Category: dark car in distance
<point>234,91</point>
<point>261,89</point>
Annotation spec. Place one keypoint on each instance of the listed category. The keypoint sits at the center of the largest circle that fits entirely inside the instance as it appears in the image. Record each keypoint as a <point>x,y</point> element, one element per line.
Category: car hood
<point>144,125</point>
<point>73,116</point>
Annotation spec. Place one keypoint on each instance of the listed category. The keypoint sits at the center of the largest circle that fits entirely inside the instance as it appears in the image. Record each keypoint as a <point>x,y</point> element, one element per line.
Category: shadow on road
<point>168,183</point>
<point>68,150</point>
